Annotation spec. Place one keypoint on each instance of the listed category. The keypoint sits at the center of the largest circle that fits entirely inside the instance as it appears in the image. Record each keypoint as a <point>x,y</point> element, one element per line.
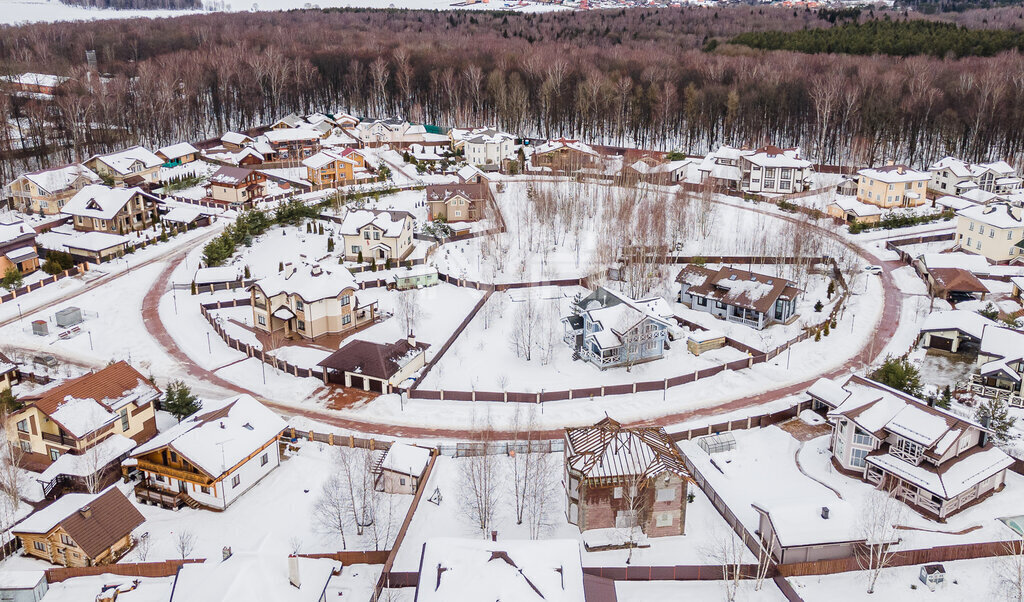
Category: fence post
<point>310,434</point>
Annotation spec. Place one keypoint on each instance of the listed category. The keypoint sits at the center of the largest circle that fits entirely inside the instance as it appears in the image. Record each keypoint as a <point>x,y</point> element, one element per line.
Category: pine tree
<point>246,273</point>
<point>320,229</point>
<point>947,397</point>
<point>826,329</point>
<point>898,373</point>
<point>817,335</point>
<point>993,413</point>
<point>831,289</point>
<point>359,258</point>
<point>330,245</point>
<point>194,291</point>
<point>179,400</point>
<point>818,306</point>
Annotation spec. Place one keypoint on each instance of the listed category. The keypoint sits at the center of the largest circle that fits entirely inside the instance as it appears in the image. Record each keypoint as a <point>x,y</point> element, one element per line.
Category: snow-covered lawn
<point>645,591</point>
<point>965,580</point>
<point>483,358</point>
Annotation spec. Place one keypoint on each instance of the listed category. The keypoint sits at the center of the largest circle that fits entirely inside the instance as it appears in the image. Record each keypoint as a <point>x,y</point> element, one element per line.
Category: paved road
<point>889,322</point>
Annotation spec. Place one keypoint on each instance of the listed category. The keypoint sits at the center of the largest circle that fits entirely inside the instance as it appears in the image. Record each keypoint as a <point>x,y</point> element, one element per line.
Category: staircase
<point>191,503</point>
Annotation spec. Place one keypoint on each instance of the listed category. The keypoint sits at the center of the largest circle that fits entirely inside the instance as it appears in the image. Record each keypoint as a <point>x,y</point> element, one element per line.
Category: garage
<point>943,343</point>
<point>357,381</point>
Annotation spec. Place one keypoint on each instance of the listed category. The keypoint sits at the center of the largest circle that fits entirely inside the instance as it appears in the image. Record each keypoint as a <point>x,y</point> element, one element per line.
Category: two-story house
<point>81,413</point>
<point>212,457</point>
<point>294,143</point>
<point>457,202</point>
<point>995,231</point>
<point>81,529</point>
<point>178,154</point>
<point>487,146</point>
<point>892,186</point>
<point>17,247</point>
<point>1000,368</point>
<point>133,166</point>
<point>331,168</point>
<point>609,329</point>
<point>235,141</point>
<point>377,235</point>
<point>47,190</point>
<point>950,175</point>
<point>564,155</point>
<point>740,296</point>
<point>721,167</point>
<point>774,170</point>
<point>619,478</point>
<point>97,208</point>
<point>309,302</point>
<point>236,186</point>
<point>935,461</point>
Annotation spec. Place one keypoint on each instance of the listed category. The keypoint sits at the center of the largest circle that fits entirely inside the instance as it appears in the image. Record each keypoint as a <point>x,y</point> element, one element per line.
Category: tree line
<point>631,77</point>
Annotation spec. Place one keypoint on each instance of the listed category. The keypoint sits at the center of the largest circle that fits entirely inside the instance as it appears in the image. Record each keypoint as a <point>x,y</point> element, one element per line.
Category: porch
<point>993,388</point>
<point>160,497</point>
<point>747,317</point>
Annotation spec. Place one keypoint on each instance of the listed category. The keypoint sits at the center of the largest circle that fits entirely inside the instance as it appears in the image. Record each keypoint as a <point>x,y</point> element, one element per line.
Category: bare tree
<point>706,209</point>
<point>542,495</point>
<point>407,310</point>
<point>13,480</point>
<point>726,549</point>
<point>330,512</point>
<point>1009,571</point>
<point>630,519</point>
<point>521,460</point>
<point>95,469</point>
<point>524,328</point>
<point>142,545</point>
<point>185,543</point>
<point>764,560</point>
<point>880,516</point>
<point>479,482</point>
<point>385,523</point>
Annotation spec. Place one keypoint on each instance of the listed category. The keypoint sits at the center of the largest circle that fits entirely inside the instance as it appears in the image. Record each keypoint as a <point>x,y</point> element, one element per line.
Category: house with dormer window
<point>740,296</point>
<point>1000,368</point>
<point>46,191</point>
<point>457,202</point>
<point>609,329</point>
<point>98,208</point>
<point>135,166</point>
<point>950,175</point>
<point>236,186</point>
<point>935,461</point>
<point>375,235</point>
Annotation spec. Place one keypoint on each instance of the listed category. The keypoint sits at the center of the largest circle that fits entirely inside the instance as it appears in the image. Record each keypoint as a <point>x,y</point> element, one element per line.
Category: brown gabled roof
<point>443,192</point>
<point>105,386</point>
<point>735,287</point>
<point>957,279</point>
<point>372,359</point>
<point>95,523</point>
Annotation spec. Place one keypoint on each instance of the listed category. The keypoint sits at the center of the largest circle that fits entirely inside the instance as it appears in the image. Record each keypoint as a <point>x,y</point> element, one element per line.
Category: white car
<point>873,269</point>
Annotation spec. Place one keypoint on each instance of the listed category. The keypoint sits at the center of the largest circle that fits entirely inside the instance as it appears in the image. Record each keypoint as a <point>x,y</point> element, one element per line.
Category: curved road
<point>887,327</point>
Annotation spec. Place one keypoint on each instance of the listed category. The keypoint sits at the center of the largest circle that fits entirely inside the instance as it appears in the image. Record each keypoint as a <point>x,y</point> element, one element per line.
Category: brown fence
<point>293,434</point>
<point>707,572</point>
<point>347,557</point>
<point>248,349</point>
<point>166,568</point>
<point>451,340</point>
<point>907,258</point>
<point>73,271</point>
<point>967,551</point>
<point>750,422</point>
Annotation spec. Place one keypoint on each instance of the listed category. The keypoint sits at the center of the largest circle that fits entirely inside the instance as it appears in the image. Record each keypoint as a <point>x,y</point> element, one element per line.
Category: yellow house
<point>892,186</point>
<point>309,302</point>
<point>8,372</point>
<point>130,167</point>
<point>81,529</point>
<point>995,231</point>
<point>377,235</point>
<point>330,168</point>
<point>46,191</point>
<point>73,417</point>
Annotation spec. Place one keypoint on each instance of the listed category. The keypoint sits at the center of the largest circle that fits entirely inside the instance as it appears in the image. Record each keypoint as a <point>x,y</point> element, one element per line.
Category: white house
<point>771,169</point>
<point>212,457</point>
<point>953,176</point>
<point>487,146</point>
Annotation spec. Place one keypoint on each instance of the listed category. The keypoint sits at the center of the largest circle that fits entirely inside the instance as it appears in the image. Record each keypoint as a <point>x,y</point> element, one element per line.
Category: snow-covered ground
<point>645,591</point>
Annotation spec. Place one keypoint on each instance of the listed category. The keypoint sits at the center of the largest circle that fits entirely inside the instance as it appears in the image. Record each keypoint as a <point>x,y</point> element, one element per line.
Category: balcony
<point>58,439</point>
<point>167,499</point>
<point>977,385</point>
<point>175,473</point>
<point>744,321</point>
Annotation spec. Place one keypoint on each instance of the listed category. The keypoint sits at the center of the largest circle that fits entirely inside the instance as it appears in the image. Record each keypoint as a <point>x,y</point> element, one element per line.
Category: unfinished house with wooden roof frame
<point>740,296</point>
<point>619,477</point>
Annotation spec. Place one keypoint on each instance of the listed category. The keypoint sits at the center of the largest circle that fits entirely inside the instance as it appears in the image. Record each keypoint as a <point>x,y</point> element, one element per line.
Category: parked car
<point>45,360</point>
<point>873,269</point>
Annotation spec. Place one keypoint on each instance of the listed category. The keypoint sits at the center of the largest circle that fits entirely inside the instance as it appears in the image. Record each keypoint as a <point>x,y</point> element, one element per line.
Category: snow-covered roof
<point>57,179</point>
<point>325,157</point>
<point>800,523</point>
<point>617,314</point>
<point>414,272</point>
<point>852,205</point>
<point>773,156</point>
<point>468,172</point>
<point>309,283</point>
<point>221,435</point>
<point>81,416</point>
<point>968,322</point>
<point>36,79</point>
<point>182,215</point>
<point>94,241</point>
<point>962,169</point>
<point>486,136</point>
<point>99,201</point>
<point>227,175</point>
<point>224,273</point>
<point>176,151</point>
<point>965,261</point>
<point>291,135</point>
<point>565,143</point>
<point>1006,344</point>
<point>406,459</point>
<point>473,570</point>
<point>97,457</point>
<point>828,391</point>
<point>12,579</point>
<point>948,482</point>
<point>997,215</point>
<point>978,195</point>
<point>122,161</point>
<point>13,230</point>
<point>235,138</point>
<point>249,576</point>
<point>392,223</point>
<point>893,174</point>
<point>955,203</point>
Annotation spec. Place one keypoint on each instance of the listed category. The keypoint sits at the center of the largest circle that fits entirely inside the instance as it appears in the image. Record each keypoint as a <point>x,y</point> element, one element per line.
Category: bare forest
<point>633,78</point>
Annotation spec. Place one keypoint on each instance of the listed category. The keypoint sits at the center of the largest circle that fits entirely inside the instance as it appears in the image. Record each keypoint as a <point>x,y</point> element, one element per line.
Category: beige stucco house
<point>47,190</point>
<point>377,235</point>
<point>995,231</point>
<point>892,186</point>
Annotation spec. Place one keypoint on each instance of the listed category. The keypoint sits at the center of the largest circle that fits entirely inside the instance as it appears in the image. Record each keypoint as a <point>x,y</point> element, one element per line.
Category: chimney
<point>316,270</point>
<point>411,339</point>
<point>293,571</point>
<point>824,512</point>
<point>494,536</point>
<point>225,553</point>
<point>222,424</point>
<point>86,511</point>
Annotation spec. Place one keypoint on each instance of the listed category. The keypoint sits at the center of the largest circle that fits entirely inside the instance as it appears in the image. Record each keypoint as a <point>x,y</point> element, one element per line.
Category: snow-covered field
<point>965,580</point>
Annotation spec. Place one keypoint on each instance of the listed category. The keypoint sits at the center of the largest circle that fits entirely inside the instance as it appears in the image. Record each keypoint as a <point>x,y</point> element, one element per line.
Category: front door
<point>182,486</point>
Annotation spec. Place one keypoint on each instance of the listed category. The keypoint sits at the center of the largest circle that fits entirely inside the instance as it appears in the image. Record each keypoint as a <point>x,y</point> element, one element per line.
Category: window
<point>617,493</point>
<point>401,481</point>
<point>356,248</point>
<point>366,235</point>
<point>719,305</point>
<point>702,301</point>
<point>968,241</point>
<point>857,457</point>
<point>54,454</point>
<point>991,233</point>
<point>235,480</point>
<point>907,450</point>
<point>301,325</point>
<point>861,437</point>
<point>26,447</point>
<point>159,478</point>
<point>345,299</point>
<point>664,519</point>
<point>264,459</point>
<point>376,235</point>
<point>665,495</point>
<point>346,319</point>
<point>124,419</point>
<point>23,425</point>
<point>41,546</point>
<point>66,540</point>
<point>204,489</point>
<point>298,305</point>
<point>262,320</point>
<point>981,229</point>
<point>971,227</point>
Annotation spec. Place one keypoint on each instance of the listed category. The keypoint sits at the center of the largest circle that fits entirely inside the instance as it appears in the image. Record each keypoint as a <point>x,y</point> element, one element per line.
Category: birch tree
<point>480,482</point>
<point>1009,571</point>
<point>880,515</point>
<point>726,550</point>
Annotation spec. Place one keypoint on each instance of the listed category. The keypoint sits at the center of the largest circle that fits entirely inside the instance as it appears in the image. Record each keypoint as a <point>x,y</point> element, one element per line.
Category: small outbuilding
<point>932,575</point>
<point>401,468</point>
<point>705,340</point>
<point>23,586</point>
<point>718,443</point>
<point>377,367</point>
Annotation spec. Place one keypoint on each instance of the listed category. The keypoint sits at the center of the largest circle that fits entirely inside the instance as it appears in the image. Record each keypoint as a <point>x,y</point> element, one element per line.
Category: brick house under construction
<point>618,477</point>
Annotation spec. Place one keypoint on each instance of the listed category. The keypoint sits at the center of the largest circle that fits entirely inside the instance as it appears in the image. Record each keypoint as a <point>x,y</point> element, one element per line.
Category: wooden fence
<point>706,572</point>
<point>293,434</point>
<point>907,258</point>
<point>166,568</point>
<point>347,557</point>
<point>73,271</point>
<point>750,422</point>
